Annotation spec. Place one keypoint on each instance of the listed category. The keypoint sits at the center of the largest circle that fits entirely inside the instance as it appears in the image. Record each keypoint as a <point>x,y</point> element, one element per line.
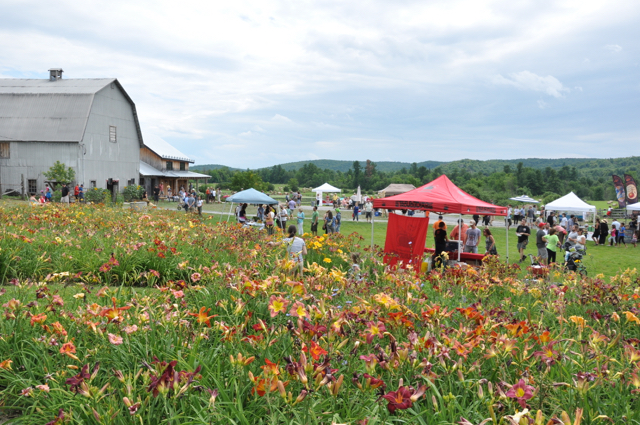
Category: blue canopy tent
<point>250,196</point>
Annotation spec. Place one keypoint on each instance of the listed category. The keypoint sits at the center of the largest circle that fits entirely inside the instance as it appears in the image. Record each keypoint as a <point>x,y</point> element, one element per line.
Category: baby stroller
<point>575,262</point>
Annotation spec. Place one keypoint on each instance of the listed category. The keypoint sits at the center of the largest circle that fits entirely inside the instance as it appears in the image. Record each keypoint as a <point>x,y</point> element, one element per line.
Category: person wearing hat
<point>337,221</point>
<point>541,242</point>
<point>473,238</point>
<point>604,231</point>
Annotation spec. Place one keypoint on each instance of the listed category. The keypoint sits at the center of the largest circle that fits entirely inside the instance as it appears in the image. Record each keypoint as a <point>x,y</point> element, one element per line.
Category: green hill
<point>206,167</point>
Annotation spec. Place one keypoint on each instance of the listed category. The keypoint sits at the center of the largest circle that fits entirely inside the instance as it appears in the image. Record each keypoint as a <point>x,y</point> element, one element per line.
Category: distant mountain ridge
<point>471,165</point>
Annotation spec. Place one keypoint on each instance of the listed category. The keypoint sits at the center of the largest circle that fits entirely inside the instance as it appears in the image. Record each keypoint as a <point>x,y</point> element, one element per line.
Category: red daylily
<point>521,392</point>
<point>403,398</point>
<point>316,351</point>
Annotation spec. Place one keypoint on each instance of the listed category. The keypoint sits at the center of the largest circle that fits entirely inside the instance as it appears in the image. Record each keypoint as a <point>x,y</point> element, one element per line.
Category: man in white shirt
<point>615,223</point>
<point>368,210</point>
<point>564,221</point>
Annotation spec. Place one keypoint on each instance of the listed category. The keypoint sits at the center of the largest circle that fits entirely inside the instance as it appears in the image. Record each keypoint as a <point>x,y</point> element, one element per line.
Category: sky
<point>254,84</point>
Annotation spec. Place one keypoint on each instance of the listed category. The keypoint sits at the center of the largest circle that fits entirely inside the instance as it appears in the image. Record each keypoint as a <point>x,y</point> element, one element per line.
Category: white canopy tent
<point>571,203</point>
<point>634,207</point>
<point>324,188</point>
<point>525,199</point>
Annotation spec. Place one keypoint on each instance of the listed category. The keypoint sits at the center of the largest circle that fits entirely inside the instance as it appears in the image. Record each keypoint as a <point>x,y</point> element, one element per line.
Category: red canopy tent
<point>442,196</point>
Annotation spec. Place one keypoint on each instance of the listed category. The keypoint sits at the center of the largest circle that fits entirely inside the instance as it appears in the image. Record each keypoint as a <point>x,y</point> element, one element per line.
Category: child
<point>621,235</point>
<point>613,236</point>
<point>634,239</point>
<point>354,272</point>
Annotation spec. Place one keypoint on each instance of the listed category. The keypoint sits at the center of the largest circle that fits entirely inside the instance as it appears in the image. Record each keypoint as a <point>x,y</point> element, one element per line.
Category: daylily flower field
<point>116,317</point>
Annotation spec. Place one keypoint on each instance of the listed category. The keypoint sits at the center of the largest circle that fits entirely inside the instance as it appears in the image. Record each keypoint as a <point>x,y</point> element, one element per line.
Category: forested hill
<point>470,165</point>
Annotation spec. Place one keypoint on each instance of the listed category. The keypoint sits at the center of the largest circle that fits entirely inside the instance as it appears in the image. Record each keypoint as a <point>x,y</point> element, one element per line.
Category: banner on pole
<point>620,192</point>
<point>632,189</point>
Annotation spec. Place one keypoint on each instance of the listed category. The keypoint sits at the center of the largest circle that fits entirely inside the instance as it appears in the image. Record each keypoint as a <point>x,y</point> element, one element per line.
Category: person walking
<point>523,231</point>
<point>490,242</point>
<point>473,238</point>
<point>356,212</point>
<point>199,206</point>
<point>541,243</point>
<point>282,218</point>
<point>604,232</point>
<point>368,210</point>
<point>300,218</point>
<point>65,194</point>
<point>553,243</point>
<point>328,223</point>
<point>337,221</point>
<point>596,232</point>
<point>269,220</point>
<point>314,221</point>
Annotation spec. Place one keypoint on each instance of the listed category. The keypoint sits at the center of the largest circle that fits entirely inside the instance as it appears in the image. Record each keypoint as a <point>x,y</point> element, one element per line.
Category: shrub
<point>132,193</point>
<point>96,196</point>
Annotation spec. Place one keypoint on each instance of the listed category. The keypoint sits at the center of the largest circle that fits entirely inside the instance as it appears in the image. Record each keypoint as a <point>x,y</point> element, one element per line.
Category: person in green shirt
<point>552,245</point>
<point>314,222</point>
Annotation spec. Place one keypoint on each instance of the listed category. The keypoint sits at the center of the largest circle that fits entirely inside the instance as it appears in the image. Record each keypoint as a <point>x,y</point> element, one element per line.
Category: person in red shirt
<point>76,191</point>
<point>459,233</point>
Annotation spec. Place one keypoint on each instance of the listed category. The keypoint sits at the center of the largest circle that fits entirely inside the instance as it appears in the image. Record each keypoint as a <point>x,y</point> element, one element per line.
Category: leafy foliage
<point>60,173</point>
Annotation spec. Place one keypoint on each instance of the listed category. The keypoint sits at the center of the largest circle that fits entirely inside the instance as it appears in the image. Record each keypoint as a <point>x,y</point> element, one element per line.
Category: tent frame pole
<point>229,212</point>
<point>373,218</point>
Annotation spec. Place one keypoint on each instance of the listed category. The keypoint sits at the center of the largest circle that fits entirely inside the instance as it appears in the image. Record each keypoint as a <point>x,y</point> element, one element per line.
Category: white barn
<point>91,125</point>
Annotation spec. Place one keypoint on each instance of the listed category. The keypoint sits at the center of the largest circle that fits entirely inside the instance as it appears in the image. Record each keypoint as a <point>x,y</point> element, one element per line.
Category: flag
<point>632,189</point>
<point>620,193</point>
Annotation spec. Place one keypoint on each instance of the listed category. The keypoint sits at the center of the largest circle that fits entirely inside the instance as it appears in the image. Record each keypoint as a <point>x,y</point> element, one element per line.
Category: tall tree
<point>357,174</point>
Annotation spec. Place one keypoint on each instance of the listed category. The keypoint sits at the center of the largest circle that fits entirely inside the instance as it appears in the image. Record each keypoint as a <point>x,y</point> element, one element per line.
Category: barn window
<point>182,166</point>
<point>169,165</point>
<point>113,138</point>
<point>4,150</point>
<point>92,184</point>
<point>33,186</point>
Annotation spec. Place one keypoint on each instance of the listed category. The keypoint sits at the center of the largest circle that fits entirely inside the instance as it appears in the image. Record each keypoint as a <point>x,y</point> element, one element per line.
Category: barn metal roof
<point>148,170</point>
<point>163,149</point>
<point>51,111</point>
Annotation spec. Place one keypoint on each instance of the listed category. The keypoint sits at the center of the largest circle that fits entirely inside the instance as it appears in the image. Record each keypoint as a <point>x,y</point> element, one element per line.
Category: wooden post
<point>22,186</point>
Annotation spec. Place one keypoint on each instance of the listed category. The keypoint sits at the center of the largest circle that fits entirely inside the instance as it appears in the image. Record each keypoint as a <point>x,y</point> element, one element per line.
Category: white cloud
<point>614,48</point>
<point>542,104</point>
<point>526,80</point>
<point>245,134</point>
<point>281,119</point>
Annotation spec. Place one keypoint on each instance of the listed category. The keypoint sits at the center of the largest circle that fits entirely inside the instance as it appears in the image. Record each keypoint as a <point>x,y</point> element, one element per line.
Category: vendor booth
<point>250,196</point>
<point>571,203</point>
<point>406,238</point>
<point>325,188</point>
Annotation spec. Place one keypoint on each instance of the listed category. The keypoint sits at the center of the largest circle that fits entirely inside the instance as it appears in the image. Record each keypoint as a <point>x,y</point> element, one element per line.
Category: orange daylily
<point>203,316</point>
<point>114,313</point>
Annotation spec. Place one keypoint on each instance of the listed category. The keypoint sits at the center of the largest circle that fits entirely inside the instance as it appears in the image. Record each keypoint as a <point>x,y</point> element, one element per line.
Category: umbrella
<point>525,199</point>
<point>358,195</point>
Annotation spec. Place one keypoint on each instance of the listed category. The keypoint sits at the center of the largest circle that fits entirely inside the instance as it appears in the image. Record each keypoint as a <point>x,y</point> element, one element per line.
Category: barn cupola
<point>55,74</point>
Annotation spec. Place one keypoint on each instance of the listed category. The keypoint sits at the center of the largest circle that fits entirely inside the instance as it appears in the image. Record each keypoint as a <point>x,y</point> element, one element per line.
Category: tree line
<point>588,179</point>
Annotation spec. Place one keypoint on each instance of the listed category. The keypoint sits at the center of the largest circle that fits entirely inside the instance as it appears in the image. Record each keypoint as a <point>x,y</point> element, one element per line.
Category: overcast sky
<point>253,84</point>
